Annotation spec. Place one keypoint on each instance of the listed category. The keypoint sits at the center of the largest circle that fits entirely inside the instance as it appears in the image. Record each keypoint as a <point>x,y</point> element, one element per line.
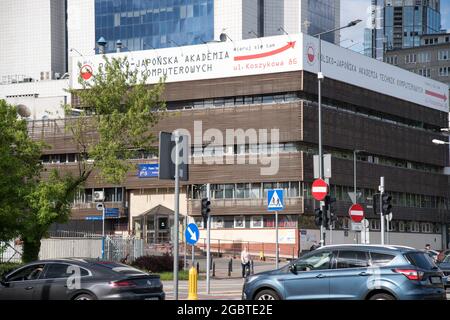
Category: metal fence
<point>116,249</point>
<point>10,252</point>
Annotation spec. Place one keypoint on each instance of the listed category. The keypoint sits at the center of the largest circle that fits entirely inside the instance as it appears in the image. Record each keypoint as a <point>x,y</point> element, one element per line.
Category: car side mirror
<point>293,268</point>
<point>3,282</point>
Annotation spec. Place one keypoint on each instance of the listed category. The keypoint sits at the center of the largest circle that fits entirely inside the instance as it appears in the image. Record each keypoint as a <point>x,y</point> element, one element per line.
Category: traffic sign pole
<point>177,203</point>
<point>208,254</point>
<point>319,192</point>
<point>381,209</point>
<point>277,256</point>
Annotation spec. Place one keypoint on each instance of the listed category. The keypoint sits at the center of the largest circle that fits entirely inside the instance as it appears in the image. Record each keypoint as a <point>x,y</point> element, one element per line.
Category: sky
<point>360,9</point>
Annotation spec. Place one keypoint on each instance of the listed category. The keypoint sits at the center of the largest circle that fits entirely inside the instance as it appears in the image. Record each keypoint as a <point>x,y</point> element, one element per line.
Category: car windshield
<point>446,259</point>
<point>421,260</point>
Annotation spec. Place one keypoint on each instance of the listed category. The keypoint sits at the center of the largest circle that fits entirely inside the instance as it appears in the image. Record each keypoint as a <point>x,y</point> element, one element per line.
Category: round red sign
<point>356,212</point>
<point>319,189</point>
<point>86,72</point>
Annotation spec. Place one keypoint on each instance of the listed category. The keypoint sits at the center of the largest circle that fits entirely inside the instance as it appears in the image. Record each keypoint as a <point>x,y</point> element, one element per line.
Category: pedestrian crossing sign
<point>275,200</point>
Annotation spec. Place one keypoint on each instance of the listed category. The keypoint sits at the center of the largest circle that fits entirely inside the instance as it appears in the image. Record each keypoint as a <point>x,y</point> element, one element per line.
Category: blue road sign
<point>96,218</point>
<point>111,212</point>
<point>148,171</point>
<point>275,200</point>
<point>192,234</point>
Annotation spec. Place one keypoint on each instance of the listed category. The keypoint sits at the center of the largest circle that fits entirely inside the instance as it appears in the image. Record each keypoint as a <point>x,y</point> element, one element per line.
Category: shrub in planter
<point>156,264</point>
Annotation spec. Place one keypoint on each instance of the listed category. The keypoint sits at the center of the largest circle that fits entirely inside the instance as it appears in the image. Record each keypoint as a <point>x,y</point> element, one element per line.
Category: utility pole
<point>177,210</point>
<point>381,189</point>
<point>208,240</point>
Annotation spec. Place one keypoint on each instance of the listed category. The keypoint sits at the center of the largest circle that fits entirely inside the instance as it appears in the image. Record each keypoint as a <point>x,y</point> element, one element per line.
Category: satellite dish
<point>23,111</point>
<point>223,37</point>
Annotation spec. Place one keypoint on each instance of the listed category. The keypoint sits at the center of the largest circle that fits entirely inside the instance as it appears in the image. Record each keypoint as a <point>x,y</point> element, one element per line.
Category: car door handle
<point>320,276</point>
<point>28,288</point>
<point>364,274</point>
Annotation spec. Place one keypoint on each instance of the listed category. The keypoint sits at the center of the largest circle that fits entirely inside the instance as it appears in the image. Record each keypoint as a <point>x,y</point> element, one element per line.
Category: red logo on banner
<point>86,72</point>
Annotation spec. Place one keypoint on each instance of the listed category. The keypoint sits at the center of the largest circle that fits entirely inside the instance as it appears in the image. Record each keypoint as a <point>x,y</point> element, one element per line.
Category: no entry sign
<point>319,189</point>
<point>356,212</point>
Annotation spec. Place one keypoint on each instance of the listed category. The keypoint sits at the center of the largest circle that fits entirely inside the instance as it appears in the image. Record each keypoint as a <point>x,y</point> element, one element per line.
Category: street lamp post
<point>320,78</point>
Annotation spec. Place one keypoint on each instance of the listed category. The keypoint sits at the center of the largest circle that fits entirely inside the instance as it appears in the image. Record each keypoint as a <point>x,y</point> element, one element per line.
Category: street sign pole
<point>277,256</point>
<point>103,231</point>
<point>193,255</point>
<point>177,203</point>
<point>208,252</point>
<point>381,210</point>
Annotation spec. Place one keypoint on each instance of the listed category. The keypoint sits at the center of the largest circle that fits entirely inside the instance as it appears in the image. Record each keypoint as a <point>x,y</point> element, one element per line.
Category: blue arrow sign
<point>94,218</point>
<point>275,200</point>
<point>192,234</point>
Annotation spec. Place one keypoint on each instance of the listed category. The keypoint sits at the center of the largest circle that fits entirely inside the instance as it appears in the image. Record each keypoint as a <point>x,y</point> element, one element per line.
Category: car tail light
<point>122,284</point>
<point>411,274</point>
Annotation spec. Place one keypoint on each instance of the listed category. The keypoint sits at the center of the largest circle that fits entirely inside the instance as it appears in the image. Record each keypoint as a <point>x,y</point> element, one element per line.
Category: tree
<point>118,111</point>
<point>19,169</point>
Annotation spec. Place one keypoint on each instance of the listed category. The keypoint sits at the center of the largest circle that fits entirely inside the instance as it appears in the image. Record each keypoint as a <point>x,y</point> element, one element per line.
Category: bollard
<point>214,269</point>
<point>231,265</point>
<point>252,267</point>
<point>198,268</point>
<point>229,268</point>
<point>193,277</point>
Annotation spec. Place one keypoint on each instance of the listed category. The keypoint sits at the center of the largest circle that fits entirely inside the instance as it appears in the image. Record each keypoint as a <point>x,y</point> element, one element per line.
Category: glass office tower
<point>147,24</point>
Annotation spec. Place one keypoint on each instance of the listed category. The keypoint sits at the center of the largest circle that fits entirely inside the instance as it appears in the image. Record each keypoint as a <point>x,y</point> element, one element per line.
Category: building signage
<point>111,212</point>
<point>351,67</point>
<point>148,170</point>
<point>272,55</point>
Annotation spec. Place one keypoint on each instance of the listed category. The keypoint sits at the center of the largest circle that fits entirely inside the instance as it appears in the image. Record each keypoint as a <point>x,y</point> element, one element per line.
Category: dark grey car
<point>80,279</point>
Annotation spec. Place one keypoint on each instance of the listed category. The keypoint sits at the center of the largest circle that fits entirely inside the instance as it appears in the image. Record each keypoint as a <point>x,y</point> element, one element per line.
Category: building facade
<point>431,59</point>
<point>399,24</point>
<point>393,126</point>
<point>33,37</point>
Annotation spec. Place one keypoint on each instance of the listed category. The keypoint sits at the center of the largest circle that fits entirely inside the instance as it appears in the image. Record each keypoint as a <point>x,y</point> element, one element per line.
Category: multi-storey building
<point>33,38</point>
<point>143,25</point>
<point>399,24</point>
<point>431,59</point>
<point>391,114</point>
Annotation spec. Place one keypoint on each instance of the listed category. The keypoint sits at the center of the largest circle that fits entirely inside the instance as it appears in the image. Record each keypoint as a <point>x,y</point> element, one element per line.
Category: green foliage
<point>118,105</point>
<point>19,167</point>
<point>6,268</point>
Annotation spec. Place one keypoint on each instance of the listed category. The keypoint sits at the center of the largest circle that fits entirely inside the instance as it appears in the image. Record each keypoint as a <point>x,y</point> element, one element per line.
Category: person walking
<point>245,261</point>
<point>314,246</point>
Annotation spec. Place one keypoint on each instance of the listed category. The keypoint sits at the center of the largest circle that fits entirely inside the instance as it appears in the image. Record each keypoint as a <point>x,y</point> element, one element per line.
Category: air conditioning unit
<point>99,196</point>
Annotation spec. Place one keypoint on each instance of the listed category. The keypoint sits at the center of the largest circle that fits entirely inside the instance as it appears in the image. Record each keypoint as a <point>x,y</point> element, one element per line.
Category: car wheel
<point>267,295</point>
<point>382,296</point>
<point>84,296</point>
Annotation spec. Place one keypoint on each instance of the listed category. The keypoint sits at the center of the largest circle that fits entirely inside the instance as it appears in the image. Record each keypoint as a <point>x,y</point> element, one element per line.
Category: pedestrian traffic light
<point>386,204</point>
<point>318,219</point>
<point>205,211</point>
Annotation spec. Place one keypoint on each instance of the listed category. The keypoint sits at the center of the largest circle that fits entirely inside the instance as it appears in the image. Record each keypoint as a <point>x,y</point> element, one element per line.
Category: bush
<point>8,267</point>
<point>156,264</point>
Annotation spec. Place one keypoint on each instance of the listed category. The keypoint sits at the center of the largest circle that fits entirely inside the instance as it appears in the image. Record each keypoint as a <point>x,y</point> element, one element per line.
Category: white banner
<point>348,66</point>
<point>273,55</point>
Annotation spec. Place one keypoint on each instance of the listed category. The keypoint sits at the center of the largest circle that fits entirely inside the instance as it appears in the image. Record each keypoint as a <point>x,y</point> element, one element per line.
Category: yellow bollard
<point>193,284</point>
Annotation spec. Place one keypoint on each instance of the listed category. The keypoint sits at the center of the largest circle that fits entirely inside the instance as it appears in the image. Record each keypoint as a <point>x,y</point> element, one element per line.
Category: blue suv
<point>351,272</point>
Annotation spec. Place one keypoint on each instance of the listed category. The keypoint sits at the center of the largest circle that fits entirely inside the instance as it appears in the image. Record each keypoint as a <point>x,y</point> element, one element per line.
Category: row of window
<point>422,57</point>
<point>294,189</point>
<point>436,40</point>
<point>111,195</point>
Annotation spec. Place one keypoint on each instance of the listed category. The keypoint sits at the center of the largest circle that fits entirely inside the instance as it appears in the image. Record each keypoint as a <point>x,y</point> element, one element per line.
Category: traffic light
<point>318,219</point>
<point>330,215</point>
<point>205,211</point>
<point>386,204</point>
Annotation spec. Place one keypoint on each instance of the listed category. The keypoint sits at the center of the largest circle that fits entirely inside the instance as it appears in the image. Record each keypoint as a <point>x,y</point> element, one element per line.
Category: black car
<point>80,279</point>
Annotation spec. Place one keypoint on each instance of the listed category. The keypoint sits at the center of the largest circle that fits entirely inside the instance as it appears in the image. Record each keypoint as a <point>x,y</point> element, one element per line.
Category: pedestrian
<point>428,247</point>
<point>245,261</point>
<point>314,246</point>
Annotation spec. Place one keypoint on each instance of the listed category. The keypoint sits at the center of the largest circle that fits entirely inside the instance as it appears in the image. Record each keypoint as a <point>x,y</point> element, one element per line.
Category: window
<point>426,227</point>
<point>380,259</point>
<point>239,222</point>
<point>374,224</point>
<point>351,259</point>
<point>411,58</point>
<point>421,260</point>
<point>413,227</point>
<point>444,71</point>
<point>32,272</point>
<point>317,261</point>
<point>443,55</point>
<point>61,270</point>
<point>257,222</point>
<point>217,222</point>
